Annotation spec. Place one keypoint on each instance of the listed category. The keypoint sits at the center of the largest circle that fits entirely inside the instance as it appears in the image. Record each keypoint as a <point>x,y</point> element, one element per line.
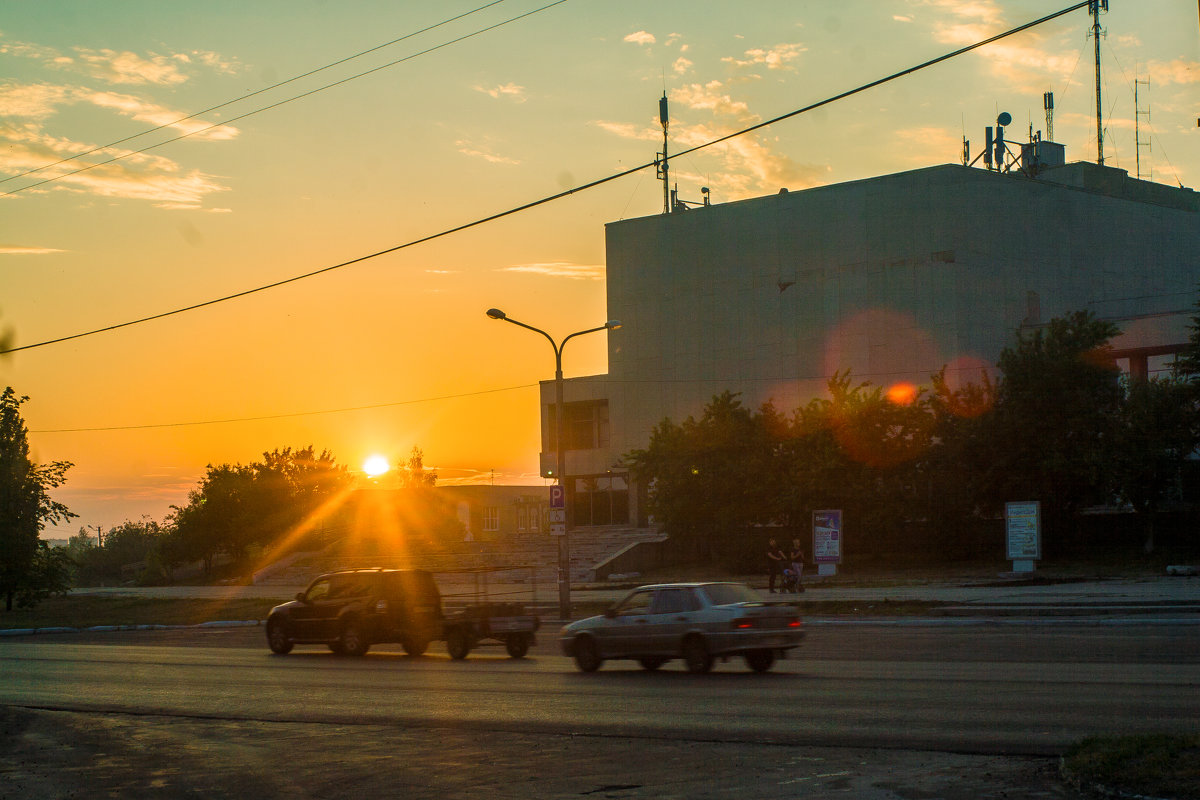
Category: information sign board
<point>1022,522</point>
<point>827,537</point>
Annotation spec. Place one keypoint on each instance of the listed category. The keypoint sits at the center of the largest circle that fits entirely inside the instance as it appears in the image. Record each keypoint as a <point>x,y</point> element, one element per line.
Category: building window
<point>599,500</point>
<point>522,518</point>
<point>491,519</point>
<point>585,425</point>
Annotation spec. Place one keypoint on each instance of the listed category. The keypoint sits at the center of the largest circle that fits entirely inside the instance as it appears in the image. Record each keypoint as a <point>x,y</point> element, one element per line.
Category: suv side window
<point>318,591</point>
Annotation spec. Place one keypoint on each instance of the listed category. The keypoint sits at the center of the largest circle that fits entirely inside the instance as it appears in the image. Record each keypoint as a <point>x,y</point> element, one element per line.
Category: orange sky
<point>561,97</point>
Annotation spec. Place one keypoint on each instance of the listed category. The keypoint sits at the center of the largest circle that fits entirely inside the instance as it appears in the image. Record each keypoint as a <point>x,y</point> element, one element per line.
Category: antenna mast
<point>1137,129</point>
<point>663,167</point>
<point>1094,8</point>
<point>1048,104</point>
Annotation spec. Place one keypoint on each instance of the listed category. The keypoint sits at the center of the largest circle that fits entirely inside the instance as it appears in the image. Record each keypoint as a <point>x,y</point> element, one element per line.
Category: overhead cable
<point>244,97</point>
<point>285,101</point>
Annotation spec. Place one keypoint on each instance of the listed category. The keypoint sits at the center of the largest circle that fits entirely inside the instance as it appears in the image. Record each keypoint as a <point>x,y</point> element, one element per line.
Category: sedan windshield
<point>723,594</point>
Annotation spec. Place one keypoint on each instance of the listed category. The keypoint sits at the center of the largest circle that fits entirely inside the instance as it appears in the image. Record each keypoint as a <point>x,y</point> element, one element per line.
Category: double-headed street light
<point>564,548</point>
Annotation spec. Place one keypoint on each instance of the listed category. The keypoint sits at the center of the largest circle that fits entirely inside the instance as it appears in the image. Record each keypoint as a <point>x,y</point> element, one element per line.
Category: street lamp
<point>564,550</point>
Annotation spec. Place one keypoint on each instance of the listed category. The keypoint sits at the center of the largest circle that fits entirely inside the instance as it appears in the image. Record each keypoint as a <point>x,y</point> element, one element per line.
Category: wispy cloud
<point>125,67</point>
<point>709,97</point>
<point>156,115</point>
<point>479,151</point>
<point>19,250</point>
<point>641,37</point>
<point>681,65</point>
<point>1177,71</point>
<point>777,57</point>
<point>509,90</point>
<point>561,269</point>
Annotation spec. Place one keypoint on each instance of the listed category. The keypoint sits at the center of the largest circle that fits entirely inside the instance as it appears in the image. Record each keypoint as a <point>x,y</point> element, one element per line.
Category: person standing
<point>796,557</point>
<point>775,560</point>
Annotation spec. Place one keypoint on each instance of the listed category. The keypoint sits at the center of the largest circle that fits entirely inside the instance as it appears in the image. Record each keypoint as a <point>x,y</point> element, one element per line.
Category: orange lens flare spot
<point>902,394</point>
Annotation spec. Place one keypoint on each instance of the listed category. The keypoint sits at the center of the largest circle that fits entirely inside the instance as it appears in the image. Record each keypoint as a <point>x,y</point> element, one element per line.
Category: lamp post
<point>564,550</point>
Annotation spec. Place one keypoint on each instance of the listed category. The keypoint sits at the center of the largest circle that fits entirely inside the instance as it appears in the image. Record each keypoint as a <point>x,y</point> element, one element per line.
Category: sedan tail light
<point>742,623</point>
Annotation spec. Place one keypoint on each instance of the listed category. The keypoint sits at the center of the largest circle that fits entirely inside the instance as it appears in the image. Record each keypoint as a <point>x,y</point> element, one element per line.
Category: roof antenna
<point>1095,7</point>
<point>661,160</point>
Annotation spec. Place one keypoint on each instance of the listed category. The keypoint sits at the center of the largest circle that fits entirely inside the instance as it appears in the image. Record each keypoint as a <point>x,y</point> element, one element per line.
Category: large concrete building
<point>891,278</point>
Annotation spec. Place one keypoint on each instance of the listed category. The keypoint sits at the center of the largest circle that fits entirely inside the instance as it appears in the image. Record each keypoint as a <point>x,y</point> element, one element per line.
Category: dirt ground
<point>56,754</point>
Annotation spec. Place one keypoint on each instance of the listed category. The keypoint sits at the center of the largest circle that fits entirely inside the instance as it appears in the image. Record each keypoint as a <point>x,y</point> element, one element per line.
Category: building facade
<point>892,278</point>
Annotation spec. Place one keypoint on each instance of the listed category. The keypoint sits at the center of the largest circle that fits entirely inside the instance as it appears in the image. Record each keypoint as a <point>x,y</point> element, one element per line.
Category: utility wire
<point>562,194</point>
<point>245,96</point>
<point>285,101</point>
<point>284,416</point>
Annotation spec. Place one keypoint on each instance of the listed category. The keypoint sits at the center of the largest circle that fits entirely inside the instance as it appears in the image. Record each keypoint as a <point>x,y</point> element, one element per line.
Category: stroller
<point>791,580</point>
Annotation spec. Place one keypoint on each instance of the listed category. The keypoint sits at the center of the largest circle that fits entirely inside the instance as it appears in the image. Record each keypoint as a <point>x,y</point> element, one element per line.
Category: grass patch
<point>87,612</point>
<point>1154,765</point>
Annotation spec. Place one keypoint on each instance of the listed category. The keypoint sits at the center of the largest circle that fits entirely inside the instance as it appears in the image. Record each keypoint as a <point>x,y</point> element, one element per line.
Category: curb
<point>1092,789</point>
<point>145,627</point>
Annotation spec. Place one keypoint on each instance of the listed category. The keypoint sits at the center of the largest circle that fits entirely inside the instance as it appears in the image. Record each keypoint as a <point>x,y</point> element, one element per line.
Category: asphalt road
<point>873,712</point>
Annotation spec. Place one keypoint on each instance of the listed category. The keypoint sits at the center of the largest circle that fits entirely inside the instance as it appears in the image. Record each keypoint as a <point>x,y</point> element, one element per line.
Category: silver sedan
<point>693,621</point>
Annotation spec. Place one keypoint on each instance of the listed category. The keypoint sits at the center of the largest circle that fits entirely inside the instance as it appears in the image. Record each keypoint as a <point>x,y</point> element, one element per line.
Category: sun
<point>376,465</point>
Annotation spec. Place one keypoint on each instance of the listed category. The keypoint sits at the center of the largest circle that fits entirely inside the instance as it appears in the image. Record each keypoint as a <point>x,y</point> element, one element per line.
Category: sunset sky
<point>396,351</point>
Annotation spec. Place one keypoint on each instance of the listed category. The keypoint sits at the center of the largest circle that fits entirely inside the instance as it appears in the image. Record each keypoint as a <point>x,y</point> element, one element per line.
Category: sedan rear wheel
<point>696,656</point>
<point>651,663</point>
<point>760,660</point>
<point>587,657</point>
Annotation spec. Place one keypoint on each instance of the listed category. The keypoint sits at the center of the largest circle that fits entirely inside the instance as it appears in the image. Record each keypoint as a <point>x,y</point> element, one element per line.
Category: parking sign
<point>558,497</point>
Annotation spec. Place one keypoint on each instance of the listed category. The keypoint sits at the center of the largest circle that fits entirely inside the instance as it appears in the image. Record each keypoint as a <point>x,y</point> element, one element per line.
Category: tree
<point>1158,428</point>
<point>25,504</point>
<point>1187,363</point>
<point>416,476</point>
<point>1051,436</point>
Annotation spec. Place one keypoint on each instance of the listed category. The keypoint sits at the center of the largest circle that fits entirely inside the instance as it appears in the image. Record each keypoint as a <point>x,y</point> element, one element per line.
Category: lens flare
<point>902,393</point>
<point>376,465</point>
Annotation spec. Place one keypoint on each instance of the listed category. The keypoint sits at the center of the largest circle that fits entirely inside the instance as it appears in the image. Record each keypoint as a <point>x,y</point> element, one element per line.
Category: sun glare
<point>375,466</point>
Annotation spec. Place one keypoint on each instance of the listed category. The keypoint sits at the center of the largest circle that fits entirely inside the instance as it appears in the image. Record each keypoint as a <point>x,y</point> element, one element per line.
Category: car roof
<point>688,585</point>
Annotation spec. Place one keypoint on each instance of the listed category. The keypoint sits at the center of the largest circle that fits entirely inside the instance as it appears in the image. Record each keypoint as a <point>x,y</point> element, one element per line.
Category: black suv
<point>353,609</point>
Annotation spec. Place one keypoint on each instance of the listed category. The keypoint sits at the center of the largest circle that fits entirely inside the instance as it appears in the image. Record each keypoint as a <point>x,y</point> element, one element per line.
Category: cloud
<point>469,149</point>
<point>641,37</point>
<point>33,101</point>
<point>901,18</point>
<point>776,57</point>
<point>681,65</point>
<point>1177,71</point>
<point>129,68</point>
<point>627,130</point>
<point>561,269</point>
<point>18,250</point>
<point>511,90</point>
<point>443,271</point>
<point>156,115</point>
<point>707,97</point>
<point>928,144</point>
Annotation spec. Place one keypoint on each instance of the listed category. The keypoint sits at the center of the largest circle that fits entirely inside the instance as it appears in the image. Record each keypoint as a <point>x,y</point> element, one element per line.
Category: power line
<point>244,97</point>
<point>284,416</point>
<point>282,102</point>
<point>566,193</point>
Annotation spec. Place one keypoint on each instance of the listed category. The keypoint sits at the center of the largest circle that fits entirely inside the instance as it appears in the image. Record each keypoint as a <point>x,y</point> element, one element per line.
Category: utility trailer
<point>489,605</point>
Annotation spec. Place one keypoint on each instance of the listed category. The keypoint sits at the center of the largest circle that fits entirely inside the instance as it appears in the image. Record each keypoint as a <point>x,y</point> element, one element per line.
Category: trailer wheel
<point>517,644</point>
<point>458,643</point>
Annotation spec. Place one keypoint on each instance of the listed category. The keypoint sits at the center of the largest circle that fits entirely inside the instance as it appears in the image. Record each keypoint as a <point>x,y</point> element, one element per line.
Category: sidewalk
<point>1031,595</point>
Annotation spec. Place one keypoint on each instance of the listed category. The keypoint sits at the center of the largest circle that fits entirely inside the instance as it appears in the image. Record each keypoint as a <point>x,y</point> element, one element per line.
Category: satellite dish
<point>1004,119</point>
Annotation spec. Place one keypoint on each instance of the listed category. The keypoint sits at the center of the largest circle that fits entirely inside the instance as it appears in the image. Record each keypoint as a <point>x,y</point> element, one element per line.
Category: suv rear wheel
<point>415,645</point>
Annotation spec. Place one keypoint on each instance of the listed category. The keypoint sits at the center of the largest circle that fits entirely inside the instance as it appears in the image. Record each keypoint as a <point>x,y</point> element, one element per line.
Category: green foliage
<point>50,575</point>
<point>1059,426</point>
<point>25,504</point>
<point>1057,405</point>
<point>268,503</point>
<point>128,550</point>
